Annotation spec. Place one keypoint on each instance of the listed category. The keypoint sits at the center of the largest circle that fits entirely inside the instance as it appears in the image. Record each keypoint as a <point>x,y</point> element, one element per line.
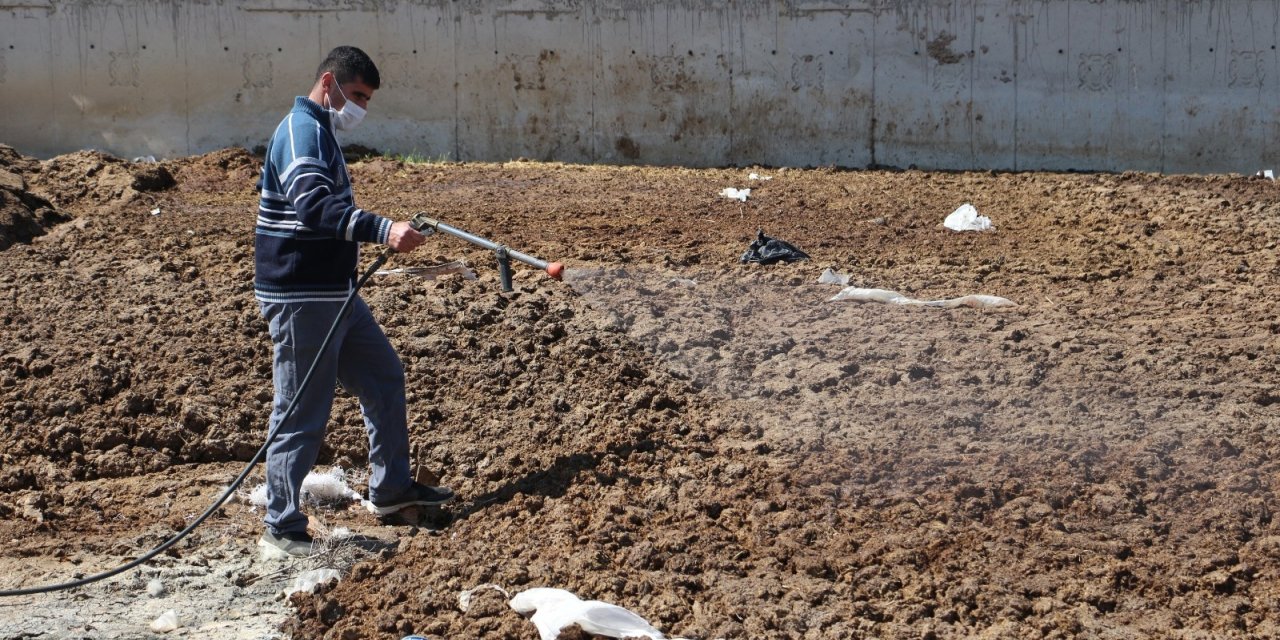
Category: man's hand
<point>404,238</point>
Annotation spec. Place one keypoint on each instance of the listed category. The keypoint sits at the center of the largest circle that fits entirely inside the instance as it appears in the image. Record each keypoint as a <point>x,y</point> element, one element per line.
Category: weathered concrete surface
<point>1164,85</point>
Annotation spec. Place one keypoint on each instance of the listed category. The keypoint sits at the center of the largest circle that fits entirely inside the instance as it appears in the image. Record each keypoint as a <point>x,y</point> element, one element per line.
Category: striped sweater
<point>306,243</point>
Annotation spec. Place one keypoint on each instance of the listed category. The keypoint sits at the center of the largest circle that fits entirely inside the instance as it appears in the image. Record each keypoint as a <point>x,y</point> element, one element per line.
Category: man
<point>305,251</point>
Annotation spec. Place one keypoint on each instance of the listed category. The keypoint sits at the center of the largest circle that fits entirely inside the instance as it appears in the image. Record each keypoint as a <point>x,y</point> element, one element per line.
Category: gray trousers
<point>361,359</point>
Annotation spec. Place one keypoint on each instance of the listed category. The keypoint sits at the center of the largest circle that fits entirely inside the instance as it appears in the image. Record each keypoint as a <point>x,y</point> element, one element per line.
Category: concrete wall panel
<point>26,43</point>
<point>525,77</point>
<point>1164,85</point>
<point>1091,95</point>
<point>417,82</point>
<point>814,55</point>
<point>924,85</point>
<point>674,70</point>
<point>1223,84</point>
<point>994,94</point>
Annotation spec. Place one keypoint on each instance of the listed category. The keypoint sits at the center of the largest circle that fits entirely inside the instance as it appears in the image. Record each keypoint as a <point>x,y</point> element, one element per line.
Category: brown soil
<point>713,445</point>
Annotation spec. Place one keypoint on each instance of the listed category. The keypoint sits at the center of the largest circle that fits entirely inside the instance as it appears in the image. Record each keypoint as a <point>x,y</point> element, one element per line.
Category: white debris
<point>966,218</point>
<point>155,588</point>
<point>893,297</point>
<point>1266,173</point>
<point>831,277</point>
<point>340,533</point>
<point>464,598</point>
<point>327,487</point>
<point>168,621</point>
<point>685,282</point>
<point>735,194</point>
<point>147,159</point>
<point>555,609</point>
<point>431,273</point>
<point>155,211</point>
<point>756,176</point>
<point>307,581</point>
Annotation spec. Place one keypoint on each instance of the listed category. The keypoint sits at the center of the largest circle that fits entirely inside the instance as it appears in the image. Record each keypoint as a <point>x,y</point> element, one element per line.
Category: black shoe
<point>292,544</point>
<point>416,494</point>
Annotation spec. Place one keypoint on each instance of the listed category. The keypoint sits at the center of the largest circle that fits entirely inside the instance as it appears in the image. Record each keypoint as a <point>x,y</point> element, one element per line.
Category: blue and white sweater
<point>309,229</point>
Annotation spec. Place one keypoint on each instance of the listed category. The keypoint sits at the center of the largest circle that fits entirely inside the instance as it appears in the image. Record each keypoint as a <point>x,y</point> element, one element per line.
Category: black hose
<point>257,457</point>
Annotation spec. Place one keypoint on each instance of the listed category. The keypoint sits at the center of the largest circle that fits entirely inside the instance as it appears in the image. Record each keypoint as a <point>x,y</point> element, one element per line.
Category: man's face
<point>356,91</point>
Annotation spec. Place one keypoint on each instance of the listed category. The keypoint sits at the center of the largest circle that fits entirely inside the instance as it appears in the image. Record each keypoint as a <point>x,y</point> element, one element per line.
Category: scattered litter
<point>147,159</point>
<point>893,297</point>
<point>756,176</point>
<point>155,211</point>
<point>555,609</point>
<point>831,277</point>
<point>168,621</point>
<point>155,588</point>
<point>307,581</point>
<point>966,218</point>
<point>735,194</point>
<point>766,250</point>
<point>464,598</point>
<point>340,533</point>
<point>431,273</point>
<point>327,487</point>
<point>1266,173</point>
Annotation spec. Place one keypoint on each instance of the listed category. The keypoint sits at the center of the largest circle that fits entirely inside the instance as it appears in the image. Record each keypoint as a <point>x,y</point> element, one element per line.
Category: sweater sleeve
<point>308,184</point>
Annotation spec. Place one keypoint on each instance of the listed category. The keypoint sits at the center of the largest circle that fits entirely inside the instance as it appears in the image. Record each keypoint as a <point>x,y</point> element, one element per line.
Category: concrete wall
<point>1165,85</point>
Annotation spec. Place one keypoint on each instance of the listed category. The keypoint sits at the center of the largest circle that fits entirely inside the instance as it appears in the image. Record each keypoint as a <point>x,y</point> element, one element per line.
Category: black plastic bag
<point>766,250</point>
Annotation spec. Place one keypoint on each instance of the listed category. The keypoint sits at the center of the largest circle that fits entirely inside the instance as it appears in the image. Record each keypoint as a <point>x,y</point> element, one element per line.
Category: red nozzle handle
<point>555,270</point>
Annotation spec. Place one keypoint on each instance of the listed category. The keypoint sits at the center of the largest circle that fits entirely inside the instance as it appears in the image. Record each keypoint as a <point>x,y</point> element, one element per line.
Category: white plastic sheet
<point>432,272</point>
<point>168,621</point>
<point>893,297</point>
<point>735,194</point>
<point>307,581</point>
<point>555,609</point>
<point>318,487</point>
<point>966,218</point>
<point>831,277</point>
<point>464,598</point>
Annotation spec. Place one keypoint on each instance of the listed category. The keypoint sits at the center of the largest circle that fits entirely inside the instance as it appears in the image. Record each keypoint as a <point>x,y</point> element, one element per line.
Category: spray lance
<point>422,223</point>
<point>504,254</point>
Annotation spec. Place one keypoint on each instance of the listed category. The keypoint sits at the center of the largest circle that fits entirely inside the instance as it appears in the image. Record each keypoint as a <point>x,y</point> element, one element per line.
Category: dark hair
<point>349,64</point>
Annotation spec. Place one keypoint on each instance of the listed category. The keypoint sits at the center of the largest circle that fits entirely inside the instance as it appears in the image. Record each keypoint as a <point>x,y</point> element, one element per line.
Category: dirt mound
<point>23,215</point>
<point>716,446</point>
<point>86,180</point>
<point>233,168</point>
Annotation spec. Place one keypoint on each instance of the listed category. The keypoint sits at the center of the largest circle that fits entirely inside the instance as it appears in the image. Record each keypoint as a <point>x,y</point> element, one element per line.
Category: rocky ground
<point>716,446</point>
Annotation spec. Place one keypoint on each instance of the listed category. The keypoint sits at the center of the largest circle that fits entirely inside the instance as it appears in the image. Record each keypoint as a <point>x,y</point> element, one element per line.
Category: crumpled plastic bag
<point>966,218</point>
<point>766,250</point>
<point>735,194</point>
<point>829,276</point>
<point>307,581</point>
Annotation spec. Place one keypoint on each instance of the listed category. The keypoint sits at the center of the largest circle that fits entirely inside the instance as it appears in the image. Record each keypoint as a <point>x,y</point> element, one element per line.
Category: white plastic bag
<point>966,218</point>
<point>735,194</point>
<point>831,277</point>
<point>307,581</point>
<point>168,621</point>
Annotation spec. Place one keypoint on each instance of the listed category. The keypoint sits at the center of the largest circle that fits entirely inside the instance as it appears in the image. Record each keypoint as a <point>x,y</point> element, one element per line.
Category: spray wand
<point>505,254</point>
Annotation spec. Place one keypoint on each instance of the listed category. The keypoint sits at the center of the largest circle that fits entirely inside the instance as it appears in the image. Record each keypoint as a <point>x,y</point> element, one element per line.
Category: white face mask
<point>350,115</point>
